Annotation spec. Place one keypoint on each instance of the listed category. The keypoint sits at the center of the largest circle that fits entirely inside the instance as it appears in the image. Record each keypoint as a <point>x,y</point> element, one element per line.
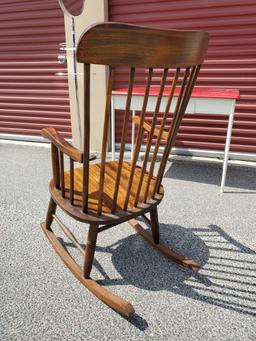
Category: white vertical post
<point>112,128</point>
<point>92,12</point>
<point>227,146</point>
<point>77,109</point>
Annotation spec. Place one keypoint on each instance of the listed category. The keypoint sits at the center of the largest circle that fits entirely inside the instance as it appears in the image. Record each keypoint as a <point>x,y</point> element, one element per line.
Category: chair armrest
<point>67,148</point>
<point>148,127</point>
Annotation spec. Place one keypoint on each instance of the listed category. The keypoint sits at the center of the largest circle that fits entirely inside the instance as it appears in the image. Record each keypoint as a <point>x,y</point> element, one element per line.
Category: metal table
<point>209,101</point>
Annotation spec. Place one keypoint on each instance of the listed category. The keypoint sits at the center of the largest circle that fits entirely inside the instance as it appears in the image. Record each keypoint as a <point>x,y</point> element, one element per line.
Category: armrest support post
<point>55,166</point>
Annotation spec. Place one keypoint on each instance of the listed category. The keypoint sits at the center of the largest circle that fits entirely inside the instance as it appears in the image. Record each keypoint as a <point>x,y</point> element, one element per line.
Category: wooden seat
<point>111,169</point>
<point>108,193</point>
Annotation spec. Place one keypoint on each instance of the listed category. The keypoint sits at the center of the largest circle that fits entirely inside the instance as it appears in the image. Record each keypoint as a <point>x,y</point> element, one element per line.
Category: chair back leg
<point>90,249</point>
<point>154,225</point>
<point>51,211</point>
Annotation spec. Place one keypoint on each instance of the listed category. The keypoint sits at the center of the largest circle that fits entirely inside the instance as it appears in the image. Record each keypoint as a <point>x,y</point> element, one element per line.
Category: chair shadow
<point>227,277</point>
<point>240,177</point>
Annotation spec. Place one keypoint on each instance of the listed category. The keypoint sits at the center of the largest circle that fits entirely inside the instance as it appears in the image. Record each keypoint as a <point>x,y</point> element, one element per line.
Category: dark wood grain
<point>182,102</point>
<point>105,138</point>
<point>137,120</point>
<point>87,93</point>
<point>51,211</point>
<point>115,302</point>
<point>55,166</point>
<point>121,44</point>
<point>160,133</point>
<point>170,138</point>
<point>69,234</point>
<point>90,249</point>
<point>71,182</point>
<point>149,140</point>
<point>154,225</point>
<point>108,193</point>
<point>67,148</point>
<point>139,136</point>
<point>111,170</point>
<point>164,249</point>
<point>123,138</point>
<point>62,181</point>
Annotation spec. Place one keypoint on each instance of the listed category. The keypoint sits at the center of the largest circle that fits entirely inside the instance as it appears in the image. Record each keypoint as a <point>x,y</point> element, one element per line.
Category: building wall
<point>230,62</point>
<point>32,96</point>
<point>34,91</point>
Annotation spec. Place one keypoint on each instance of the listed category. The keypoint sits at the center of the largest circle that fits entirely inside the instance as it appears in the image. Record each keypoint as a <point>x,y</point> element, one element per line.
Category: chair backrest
<point>115,44</point>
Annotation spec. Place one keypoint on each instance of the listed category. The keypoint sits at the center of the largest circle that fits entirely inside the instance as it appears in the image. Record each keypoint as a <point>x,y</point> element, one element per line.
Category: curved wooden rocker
<point>108,193</point>
<point>114,301</point>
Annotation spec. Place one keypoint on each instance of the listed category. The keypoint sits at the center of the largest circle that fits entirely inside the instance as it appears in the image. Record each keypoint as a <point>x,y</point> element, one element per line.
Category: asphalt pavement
<point>41,300</point>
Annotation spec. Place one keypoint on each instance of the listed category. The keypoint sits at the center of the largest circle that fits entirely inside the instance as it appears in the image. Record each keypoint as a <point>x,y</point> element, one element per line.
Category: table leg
<point>227,147</point>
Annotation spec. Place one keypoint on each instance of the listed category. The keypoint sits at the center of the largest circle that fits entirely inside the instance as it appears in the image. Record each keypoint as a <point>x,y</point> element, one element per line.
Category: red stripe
<point>230,62</point>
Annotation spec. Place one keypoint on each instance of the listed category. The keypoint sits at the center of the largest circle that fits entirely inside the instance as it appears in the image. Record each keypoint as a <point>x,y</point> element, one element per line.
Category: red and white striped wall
<point>230,63</point>
<point>32,96</point>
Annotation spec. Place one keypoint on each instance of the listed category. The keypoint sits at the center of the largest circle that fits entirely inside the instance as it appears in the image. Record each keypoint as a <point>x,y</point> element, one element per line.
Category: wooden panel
<point>104,44</point>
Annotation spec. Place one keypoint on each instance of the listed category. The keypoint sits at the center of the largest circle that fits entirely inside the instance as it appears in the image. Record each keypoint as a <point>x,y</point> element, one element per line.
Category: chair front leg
<point>154,225</point>
<point>90,249</point>
<point>51,211</point>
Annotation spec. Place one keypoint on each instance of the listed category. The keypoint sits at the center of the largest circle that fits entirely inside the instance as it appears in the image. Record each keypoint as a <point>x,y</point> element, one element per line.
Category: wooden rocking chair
<point>108,193</point>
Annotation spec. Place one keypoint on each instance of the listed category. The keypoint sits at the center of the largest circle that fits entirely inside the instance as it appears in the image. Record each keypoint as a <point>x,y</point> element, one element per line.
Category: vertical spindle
<point>62,180</point>
<point>123,139</point>
<point>149,140</point>
<point>71,197</point>
<point>105,138</point>
<point>86,136</point>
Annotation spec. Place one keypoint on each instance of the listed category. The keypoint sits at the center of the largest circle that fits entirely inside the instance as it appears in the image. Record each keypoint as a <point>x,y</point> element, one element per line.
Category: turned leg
<point>154,225</point>
<point>51,211</point>
<point>90,250</point>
